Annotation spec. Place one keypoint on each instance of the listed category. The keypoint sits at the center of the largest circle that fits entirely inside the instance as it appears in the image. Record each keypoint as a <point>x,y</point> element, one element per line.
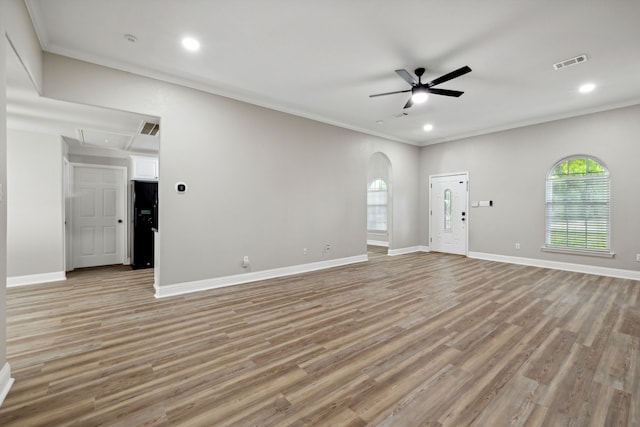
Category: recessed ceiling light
<point>380,122</point>
<point>191,44</point>
<point>585,88</point>
<point>428,127</point>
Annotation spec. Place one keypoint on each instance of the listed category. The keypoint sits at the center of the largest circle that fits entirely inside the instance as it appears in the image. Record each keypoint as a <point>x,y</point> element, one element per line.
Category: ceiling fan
<point>420,91</point>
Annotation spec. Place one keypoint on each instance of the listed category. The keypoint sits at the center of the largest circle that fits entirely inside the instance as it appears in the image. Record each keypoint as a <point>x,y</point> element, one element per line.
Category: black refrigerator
<point>145,221</point>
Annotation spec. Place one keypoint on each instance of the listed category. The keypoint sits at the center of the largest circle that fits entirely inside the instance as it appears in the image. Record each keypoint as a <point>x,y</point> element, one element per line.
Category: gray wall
<point>3,186</point>
<point>15,24</point>
<point>510,168</point>
<point>35,238</point>
<point>260,183</point>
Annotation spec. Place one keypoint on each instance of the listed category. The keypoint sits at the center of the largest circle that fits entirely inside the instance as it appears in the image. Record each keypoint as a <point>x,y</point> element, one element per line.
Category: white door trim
<point>66,213</point>
<point>466,232</point>
<point>125,236</point>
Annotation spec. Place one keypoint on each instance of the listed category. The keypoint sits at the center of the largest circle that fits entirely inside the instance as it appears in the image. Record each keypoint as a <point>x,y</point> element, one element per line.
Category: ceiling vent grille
<point>150,129</point>
<point>569,62</point>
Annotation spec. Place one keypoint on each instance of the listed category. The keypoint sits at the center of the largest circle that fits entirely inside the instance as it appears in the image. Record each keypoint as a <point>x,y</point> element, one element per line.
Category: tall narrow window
<point>377,205</point>
<point>578,205</point>
<point>447,209</point>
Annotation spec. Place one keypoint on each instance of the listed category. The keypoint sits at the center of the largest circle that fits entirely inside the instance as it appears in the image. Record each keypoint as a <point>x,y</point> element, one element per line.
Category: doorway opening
<point>379,205</point>
<point>73,136</point>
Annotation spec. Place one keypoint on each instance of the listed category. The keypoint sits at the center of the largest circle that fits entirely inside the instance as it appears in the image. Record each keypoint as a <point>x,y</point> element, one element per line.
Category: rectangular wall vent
<point>573,61</point>
<point>150,129</point>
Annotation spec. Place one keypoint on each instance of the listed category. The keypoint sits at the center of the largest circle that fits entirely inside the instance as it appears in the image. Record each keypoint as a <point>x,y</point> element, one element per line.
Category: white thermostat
<point>181,187</point>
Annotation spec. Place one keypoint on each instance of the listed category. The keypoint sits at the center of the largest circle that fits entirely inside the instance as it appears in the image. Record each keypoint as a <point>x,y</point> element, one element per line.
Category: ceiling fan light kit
<point>419,95</point>
<point>420,91</point>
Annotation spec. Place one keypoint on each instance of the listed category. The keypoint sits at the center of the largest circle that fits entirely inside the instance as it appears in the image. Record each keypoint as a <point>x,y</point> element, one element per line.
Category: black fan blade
<point>409,103</point>
<point>389,93</point>
<point>445,92</point>
<point>407,77</point>
<point>452,75</point>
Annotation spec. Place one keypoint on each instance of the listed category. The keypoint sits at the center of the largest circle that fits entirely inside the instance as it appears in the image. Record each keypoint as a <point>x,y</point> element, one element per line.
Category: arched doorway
<point>379,204</point>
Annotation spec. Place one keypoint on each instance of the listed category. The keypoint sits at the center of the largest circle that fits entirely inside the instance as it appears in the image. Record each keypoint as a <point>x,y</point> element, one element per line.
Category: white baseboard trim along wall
<point>238,279</point>
<point>578,268</point>
<point>219,282</point>
<point>32,279</point>
<point>377,243</point>
<point>409,250</point>
<point>5,381</point>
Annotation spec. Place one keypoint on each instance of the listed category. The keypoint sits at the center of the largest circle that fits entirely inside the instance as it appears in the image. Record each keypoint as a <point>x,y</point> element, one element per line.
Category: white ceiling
<point>321,59</point>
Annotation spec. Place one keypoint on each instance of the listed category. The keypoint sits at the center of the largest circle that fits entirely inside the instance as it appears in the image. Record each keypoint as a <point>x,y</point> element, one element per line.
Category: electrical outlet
<point>327,247</point>
<point>518,246</point>
<point>305,251</point>
<point>638,257</point>
<point>245,262</point>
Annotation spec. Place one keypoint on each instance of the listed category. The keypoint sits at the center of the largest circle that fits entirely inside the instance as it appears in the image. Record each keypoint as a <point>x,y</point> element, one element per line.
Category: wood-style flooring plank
<point>421,339</point>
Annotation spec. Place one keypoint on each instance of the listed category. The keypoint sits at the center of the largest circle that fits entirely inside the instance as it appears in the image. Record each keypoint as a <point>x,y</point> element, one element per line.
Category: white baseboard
<point>378,243</point>
<point>5,381</point>
<point>578,268</point>
<point>408,250</point>
<point>219,282</point>
<point>32,279</point>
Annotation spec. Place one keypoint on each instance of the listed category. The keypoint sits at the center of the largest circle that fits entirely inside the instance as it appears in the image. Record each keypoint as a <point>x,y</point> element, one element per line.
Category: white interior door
<point>98,205</point>
<point>449,213</point>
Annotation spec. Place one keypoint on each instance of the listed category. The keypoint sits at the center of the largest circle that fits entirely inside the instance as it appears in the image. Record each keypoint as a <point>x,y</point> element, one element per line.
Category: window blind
<point>578,211</point>
<point>377,206</point>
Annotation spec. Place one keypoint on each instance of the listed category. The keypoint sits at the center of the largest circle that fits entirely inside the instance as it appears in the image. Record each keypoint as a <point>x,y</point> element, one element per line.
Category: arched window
<point>578,205</point>
<point>377,205</point>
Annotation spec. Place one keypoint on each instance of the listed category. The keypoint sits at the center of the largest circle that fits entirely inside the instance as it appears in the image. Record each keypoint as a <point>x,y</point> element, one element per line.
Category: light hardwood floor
<point>418,339</point>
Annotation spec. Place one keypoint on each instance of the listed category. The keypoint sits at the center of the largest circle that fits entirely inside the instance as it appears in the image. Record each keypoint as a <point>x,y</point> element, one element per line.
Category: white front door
<point>98,205</point>
<point>448,213</point>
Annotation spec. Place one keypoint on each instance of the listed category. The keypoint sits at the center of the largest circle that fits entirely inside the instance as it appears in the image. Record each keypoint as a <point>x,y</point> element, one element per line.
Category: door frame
<point>66,214</point>
<point>125,207</point>
<point>468,223</point>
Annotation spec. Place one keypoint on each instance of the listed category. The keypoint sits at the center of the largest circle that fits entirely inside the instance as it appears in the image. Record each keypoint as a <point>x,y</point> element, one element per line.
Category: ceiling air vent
<point>150,129</point>
<point>569,62</point>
